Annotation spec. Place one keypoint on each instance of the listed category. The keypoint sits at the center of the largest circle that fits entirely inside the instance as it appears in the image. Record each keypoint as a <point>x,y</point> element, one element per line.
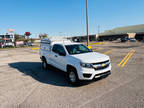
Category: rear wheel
<point>44,64</point>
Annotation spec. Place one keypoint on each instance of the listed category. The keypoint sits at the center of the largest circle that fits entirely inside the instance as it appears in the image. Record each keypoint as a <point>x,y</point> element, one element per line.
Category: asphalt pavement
<point>24,84</point>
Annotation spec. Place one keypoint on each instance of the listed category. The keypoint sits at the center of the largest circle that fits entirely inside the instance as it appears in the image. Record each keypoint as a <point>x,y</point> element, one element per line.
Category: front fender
<point>76,64</point>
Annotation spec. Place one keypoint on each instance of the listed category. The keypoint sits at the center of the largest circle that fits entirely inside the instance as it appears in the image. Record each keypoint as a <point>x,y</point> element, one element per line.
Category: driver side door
<point>59,61</point>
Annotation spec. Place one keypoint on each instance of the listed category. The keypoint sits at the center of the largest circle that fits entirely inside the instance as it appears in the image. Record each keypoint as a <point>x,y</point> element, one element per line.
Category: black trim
<point>87,75</point>
<point>100,62</point>
<point>103,74</point>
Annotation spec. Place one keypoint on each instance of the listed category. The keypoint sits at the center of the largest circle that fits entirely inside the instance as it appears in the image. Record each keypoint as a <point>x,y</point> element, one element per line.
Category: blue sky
<point>67,17</point>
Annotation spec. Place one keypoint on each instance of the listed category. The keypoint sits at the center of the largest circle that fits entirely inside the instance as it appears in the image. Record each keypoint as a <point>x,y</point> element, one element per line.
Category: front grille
<point>99,68</point>
<point>101,65</point>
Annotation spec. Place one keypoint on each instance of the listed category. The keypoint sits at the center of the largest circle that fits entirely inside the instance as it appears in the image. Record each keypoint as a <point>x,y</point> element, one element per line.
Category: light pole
<point>87,24</point>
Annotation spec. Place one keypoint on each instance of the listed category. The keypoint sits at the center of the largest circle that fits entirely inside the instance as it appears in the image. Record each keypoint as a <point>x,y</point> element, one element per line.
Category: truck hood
<point>92,57</point>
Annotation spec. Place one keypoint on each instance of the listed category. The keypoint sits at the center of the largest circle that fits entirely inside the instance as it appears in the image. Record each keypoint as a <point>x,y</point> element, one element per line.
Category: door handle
<point>56,56</point>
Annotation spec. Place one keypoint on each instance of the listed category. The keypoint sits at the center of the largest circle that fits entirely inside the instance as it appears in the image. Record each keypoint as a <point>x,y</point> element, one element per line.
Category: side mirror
<point>62,54</point>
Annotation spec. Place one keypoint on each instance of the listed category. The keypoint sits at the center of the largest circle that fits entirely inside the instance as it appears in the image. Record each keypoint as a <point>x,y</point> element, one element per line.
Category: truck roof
<point>62,41</point>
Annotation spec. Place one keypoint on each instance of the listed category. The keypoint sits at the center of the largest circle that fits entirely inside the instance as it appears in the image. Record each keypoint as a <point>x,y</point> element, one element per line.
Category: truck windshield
<point>77,49</point>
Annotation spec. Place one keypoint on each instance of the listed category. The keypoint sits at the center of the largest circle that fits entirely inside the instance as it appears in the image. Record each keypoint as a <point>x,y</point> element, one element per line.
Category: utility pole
<point>98,29</point>
<point>87,26</point>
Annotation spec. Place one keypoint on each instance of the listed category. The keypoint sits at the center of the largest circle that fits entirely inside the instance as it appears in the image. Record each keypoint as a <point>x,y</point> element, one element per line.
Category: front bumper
<point>91,73</point>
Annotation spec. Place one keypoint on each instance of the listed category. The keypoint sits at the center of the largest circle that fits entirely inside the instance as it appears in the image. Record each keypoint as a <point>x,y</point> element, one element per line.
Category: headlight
<point>86,65</point>
<point>107,63</point>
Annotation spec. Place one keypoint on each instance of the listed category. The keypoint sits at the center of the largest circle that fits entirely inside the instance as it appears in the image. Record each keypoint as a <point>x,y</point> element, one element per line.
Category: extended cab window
<point>58,49</point>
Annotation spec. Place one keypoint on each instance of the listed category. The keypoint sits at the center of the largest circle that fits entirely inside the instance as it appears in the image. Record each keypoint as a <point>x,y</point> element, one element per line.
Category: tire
<point>73,77</point>
<point>44,64</point>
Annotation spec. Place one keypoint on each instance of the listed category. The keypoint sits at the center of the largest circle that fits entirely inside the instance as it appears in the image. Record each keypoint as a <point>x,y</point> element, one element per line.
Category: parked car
<point>1,44</point>
<point>9,43</point>
<point>76,59</point>
<point>132,40</point>
<point>30,44</point>
<point>124,39</point>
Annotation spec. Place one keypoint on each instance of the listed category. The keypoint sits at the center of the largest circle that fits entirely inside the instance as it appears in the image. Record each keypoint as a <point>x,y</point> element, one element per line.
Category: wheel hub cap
<point>72,76</point>
<point>44,64</point>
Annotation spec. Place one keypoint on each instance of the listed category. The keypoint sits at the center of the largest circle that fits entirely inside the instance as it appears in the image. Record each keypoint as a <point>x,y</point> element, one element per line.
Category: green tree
<point>43,36</point>
<point>19,37</point>
<point>26,40</point>
<point>32,40</point>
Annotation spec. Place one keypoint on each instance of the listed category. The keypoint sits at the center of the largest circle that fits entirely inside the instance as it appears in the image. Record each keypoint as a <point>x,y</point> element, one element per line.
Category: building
<point>82,38</point>
<point>136,31</point>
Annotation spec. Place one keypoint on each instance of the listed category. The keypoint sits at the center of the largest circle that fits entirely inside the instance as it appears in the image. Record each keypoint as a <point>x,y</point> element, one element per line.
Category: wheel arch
<point>43,58</point>
<point>73,69</point>
<point>69,67</point>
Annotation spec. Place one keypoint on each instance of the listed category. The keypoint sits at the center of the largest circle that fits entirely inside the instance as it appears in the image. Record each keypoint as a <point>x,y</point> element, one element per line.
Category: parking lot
<point>24,84</point>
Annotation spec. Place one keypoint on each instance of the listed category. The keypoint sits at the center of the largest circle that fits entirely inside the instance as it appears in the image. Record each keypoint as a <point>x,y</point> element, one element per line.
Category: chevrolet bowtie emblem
<point>103,65</point>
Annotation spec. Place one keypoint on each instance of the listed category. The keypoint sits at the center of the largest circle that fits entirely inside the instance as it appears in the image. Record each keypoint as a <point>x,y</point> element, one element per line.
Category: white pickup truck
<point>76,59</point>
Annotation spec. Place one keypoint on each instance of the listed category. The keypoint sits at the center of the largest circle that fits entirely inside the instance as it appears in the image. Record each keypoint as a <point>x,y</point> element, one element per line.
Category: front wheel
<point>73,77</point>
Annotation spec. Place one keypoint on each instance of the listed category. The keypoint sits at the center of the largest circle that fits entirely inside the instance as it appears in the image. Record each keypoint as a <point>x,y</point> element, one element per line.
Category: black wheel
<point>73,77</point>
<point>44,64</point>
